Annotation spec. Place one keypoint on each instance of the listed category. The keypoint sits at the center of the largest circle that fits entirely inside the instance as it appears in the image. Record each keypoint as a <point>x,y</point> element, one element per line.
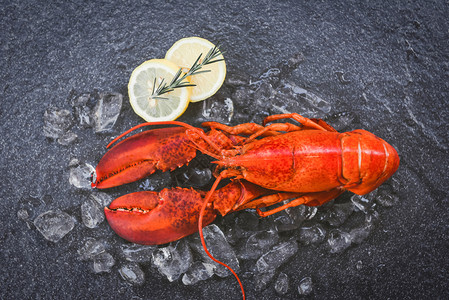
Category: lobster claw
<point>152,218</point>
<point>142,154</point>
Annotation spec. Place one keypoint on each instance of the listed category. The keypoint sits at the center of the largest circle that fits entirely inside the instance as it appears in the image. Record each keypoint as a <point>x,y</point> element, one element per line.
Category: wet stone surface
<point>374,65</point>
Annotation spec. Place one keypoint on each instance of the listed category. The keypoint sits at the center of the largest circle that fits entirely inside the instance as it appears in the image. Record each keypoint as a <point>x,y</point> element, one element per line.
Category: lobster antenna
<point>200,230</point>
<point>150,124</point>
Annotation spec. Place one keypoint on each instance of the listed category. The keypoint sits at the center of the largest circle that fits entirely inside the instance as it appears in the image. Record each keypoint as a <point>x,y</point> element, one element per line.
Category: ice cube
<point>314,234</point>
<point>173,260</point>
<point>371,218</point>
<point>259,243</point>
<point>107,110</point>
<point>218,110</point>
<point>197,272</point>
<point>278,255</point>
<point>282,222</point>
<point>54,224</point>
<point>281,284</point>
<point>262,279</point>
<point>305,286</point>
<point>301,213</point>
<point>103,262</point>
<point>91,248</point>
<point>101,198</point>
<point>67,138</point>
<point>291,98</point>
<point>137,253</point>
<point>219,247</point>
<point>311,99</point>
<point>91,213</point>
<point>358,235</point>
<point>56,122</point>
<point>361,203</point>
<point>132,273</point>
<point>338,213</point>
<point>82,106</point>
<point>386,196</point>
<point>338,241</point>
<point>80,176</point>
<point>156,183</point>
<point>194,175</point>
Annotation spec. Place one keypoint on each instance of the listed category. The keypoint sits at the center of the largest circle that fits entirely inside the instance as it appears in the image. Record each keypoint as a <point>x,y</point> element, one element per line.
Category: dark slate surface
<point>394,57</point>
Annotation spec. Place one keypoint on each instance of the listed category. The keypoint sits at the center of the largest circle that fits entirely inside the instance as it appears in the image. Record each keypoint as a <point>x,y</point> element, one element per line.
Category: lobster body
<point>313,161</point>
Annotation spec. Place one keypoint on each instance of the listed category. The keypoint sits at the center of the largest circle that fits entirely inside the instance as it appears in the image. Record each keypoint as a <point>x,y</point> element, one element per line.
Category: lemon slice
<point>144,80</point>
<point>185,52</point>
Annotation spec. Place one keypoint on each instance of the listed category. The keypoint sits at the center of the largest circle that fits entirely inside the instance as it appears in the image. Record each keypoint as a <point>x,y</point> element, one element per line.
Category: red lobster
<point>311,163</point>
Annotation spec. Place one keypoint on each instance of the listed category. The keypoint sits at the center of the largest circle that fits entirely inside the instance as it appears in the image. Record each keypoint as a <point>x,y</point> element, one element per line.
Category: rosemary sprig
<point>179,81</point>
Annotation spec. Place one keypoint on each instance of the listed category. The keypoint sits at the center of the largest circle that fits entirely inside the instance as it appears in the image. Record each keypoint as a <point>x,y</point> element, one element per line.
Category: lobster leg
<point>297,117</point>
<point>255,130</point>
<point>269,200</point>
<point>309,199</point>
<point>245,129</point>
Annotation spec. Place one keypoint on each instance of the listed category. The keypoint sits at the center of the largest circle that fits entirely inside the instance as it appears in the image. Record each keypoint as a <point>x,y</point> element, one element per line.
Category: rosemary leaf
<point>203,71</point>
<point>178,81</point>
<point>214,61</point>
<point>176,76</point>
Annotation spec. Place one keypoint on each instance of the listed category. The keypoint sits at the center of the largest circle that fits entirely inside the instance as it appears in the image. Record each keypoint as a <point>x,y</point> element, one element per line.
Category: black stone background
<point>395,55</point>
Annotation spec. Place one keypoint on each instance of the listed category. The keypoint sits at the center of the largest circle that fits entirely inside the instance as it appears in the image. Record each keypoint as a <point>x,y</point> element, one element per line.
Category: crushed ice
<point>173,260</point>
<point>57,125</point>
<point>137,253</point>
<point>91,248</point>
<point>80,176</point>
<point>197,272</point>
<point>132,273</point>
<point>218,110</point>
<point>278,255</point>
<point>54,224</point>
<point>281,284</point>
<point>219,247</point>
<point>106,111</point>
<point>305,286</point>
<point>103,262</point>
<point>91,213</point>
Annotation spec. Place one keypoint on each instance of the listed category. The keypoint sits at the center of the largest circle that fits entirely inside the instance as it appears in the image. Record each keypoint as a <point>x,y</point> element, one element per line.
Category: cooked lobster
<point>310,163</point>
